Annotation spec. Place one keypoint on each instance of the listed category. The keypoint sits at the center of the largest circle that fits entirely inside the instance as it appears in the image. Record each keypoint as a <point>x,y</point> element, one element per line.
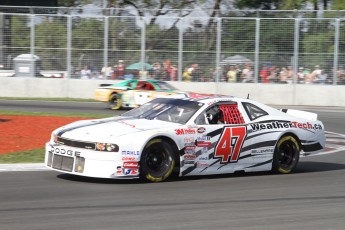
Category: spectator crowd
<point>165,71</point>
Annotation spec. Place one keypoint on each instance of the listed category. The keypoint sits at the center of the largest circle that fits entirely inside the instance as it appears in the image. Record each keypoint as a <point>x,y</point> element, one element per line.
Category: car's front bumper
<point>90,163</point>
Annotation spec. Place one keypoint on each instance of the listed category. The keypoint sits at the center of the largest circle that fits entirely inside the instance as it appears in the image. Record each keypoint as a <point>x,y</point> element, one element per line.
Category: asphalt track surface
<point>311,198</point>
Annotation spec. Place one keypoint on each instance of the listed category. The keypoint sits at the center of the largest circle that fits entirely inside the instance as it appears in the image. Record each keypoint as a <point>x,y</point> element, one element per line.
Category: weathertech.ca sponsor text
<point>285,125</point>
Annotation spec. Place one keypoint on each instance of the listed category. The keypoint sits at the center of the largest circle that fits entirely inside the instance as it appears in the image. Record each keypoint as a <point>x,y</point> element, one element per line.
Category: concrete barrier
<point>274,94</point>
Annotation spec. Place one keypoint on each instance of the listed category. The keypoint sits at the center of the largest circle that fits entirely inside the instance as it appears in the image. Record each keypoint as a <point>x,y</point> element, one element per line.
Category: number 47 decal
<point>230,144</point>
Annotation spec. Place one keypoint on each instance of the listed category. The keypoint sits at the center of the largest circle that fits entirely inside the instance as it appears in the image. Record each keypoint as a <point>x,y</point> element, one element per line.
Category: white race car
<point>187,136</point>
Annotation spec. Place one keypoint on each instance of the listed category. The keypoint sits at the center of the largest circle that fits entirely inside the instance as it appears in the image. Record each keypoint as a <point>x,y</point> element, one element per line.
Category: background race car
<point>188,136</point>
<point>132,93</point>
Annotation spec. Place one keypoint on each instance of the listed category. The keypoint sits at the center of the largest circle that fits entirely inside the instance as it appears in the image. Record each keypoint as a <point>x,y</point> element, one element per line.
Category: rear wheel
<point>157,161</point>
<point>286,155</point>
<point>115,101</point>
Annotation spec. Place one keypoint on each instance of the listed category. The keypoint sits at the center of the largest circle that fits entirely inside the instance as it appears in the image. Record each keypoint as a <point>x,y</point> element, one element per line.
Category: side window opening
<point>148,86</point>
<point>253,111</point>
<point>209,117</point>
<point>230,114</point>
<point>140,85</point>
<point>221,114</point>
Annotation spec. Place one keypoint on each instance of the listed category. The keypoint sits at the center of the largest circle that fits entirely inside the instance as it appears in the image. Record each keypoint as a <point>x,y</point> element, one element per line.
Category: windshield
<point>163,85</point>
<point>166,109</point>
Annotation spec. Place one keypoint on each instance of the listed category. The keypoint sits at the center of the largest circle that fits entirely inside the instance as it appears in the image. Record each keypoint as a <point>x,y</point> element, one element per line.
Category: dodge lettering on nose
<point>63,151</point>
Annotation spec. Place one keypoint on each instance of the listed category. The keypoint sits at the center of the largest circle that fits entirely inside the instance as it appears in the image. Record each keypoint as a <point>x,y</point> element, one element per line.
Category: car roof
<point>212,99</point>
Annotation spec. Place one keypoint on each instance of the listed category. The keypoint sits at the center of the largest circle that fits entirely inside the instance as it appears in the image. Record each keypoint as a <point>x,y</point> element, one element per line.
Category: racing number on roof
<point>230,144</point>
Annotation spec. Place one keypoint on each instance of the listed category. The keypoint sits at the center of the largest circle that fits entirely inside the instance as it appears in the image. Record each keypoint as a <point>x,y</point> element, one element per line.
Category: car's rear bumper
<point>102,95</point>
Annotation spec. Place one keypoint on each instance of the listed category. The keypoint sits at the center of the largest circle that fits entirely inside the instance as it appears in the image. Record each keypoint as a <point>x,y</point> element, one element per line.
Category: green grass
<point>27,156</point>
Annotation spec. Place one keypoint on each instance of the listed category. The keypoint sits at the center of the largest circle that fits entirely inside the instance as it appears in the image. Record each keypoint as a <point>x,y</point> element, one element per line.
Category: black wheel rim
<point>157,162</point>
<point>287,155</point>
<point>114,102</point>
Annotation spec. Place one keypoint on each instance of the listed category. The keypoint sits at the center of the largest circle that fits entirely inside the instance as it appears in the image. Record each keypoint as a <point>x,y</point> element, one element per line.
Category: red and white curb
<point>335,142</point>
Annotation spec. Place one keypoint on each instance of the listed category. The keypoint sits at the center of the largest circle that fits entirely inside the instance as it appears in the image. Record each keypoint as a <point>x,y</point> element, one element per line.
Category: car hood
<point>100,129</point>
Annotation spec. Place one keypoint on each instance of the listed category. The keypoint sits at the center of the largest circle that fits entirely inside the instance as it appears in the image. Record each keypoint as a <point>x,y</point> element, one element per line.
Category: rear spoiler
<point>103,85</point>
<point>300,114</point>
<point>111,86</point>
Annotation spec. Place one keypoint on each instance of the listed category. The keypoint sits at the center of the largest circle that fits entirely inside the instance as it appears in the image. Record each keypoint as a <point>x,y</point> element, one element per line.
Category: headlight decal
<point>107,147</point>
<point>98,146</point>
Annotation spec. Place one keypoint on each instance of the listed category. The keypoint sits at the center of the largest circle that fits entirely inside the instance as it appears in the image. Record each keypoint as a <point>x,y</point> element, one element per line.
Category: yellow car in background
<point>133,93</point>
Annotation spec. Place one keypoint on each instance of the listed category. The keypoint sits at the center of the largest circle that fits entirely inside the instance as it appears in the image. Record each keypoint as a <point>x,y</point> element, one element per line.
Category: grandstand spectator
<point>307,76</point>
<point>174,72</point>
<point>121,68</point>
<point>247,74</point>
<point>210,76</point>
<point>290,74</point>
<point>238,73</point>
<point>283,76</point>
<point>167,70</point>
<point>231,74</point>
<point>321,78</point>
<point>274,73</point>
<point>157,71</point>
<point>264,75</point>
<point>85,73</point>
<point>196,72</point>
<point>116,73</point>
<point>187,74</point>
<point>315,75</point>
<point>107,72</point>
<point>300,75</point>
<point>341,76</point>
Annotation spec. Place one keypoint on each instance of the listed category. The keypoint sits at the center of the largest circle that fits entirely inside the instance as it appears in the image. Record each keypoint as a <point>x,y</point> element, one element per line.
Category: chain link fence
<point>251,46</point>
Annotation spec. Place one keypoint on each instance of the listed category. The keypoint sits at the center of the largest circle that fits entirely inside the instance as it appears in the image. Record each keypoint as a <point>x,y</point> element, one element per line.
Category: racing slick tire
<point>286,155</point>
<point>157,161</point>
<point>115,101</point>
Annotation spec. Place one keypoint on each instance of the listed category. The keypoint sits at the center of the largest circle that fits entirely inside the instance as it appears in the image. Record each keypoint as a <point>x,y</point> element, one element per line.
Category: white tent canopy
<point>236,60</point>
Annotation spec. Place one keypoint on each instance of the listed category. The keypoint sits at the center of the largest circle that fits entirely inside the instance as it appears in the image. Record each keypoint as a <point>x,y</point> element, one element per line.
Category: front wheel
<point>286,155</point>
<point>115,101</point>
<point>157,161</point>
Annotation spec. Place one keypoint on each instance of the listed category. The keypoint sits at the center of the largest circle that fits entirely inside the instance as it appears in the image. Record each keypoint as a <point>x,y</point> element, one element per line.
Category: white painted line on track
<point>22,167</point>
